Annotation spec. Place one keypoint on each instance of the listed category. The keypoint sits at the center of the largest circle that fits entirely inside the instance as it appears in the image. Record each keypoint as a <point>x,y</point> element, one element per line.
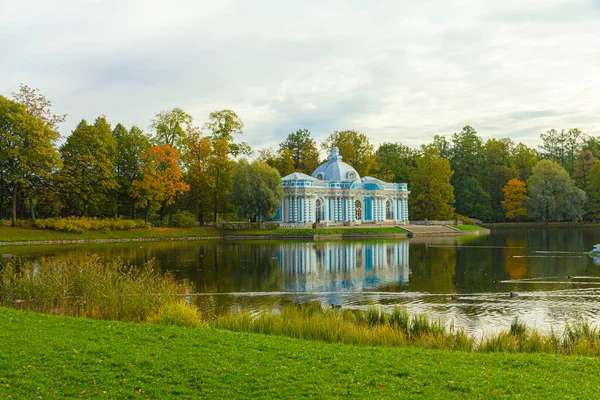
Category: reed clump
<point>90,288</point>
<point>373,327</point>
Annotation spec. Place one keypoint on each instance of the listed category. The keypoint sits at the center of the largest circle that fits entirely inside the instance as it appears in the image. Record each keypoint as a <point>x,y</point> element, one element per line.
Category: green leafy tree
<point>553,146</point>
<point>573,145</point>
<point>28,151</point>
<point>303,150</point>
<point>497,172</point>
<point>593,192</point>
<point>467,162</point>
<point>223,125</point>
<point>523,159</point>
<point>355,149</point>
<point>583,166</point>
<point>256,190</point>
<point>395,162</point>
<point>88,178</point>
<point>196,159</point>
<point>220,168</point>
<point>443,146</point>
<point>553,196</point>
<point>169,127</point>
<point>40,178</point>
<point>282,160</point>
<point>130,145</point>
<point>432,195</point>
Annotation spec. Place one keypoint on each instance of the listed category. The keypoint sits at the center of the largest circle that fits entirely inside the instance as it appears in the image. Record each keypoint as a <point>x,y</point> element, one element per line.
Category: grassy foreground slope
<point>47,356</point>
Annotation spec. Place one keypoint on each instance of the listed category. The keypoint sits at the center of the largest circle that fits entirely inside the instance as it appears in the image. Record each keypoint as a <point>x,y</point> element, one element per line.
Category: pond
<point>550,270</point>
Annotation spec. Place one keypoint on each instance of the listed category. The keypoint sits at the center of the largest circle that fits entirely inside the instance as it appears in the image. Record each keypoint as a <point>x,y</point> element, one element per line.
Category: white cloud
<point>398,71</point>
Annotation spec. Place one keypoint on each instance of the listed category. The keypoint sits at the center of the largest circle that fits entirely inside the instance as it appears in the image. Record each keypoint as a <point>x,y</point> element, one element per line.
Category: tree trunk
<point>147,212</point>
<point>162,213</point>
<point>31,209</point>
<point>200,217</point>
<point>14,205</point>
<point>215,199</point>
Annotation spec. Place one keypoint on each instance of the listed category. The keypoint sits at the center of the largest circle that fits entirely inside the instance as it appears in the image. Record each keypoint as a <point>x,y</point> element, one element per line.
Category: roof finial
<point>334,154</point>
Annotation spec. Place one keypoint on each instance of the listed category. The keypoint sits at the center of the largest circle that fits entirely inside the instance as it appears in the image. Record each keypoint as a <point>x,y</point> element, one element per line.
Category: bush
<point>84,224</point>
<point>177,313</point>
<point>184,219</point>
<point>465,220</point>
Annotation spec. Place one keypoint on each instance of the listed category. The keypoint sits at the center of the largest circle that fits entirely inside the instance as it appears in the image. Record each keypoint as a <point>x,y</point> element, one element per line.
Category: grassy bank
<point>47,356</point>
<point>18,234</point>
<point>321,231</point>
<point>470,228</point>
<point>541,225</point>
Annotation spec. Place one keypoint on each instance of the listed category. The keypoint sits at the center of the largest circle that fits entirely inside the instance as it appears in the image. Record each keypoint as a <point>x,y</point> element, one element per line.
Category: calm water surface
<point>556,280</point>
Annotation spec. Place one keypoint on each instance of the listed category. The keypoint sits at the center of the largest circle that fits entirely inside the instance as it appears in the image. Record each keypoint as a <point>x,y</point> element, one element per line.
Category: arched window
<point>320,176</point>
<point>351,175</point>
<point>318,210</point>
<point>358,210</point>
<point>389,211</point>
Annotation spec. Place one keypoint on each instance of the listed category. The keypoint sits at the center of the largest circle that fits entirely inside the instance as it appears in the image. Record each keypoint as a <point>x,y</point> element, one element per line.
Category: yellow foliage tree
<point>162,180</point>
<point>515,194</point>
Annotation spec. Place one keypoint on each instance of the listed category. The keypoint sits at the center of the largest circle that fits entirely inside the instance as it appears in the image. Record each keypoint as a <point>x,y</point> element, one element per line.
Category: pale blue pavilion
<point>336,195</point>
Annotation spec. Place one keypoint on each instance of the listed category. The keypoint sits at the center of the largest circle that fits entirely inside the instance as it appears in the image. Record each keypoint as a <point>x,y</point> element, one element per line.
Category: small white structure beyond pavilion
<point>336,195</point>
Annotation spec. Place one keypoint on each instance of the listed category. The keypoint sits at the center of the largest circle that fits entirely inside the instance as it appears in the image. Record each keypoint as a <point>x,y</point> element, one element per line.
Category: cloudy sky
<point>399,71</point>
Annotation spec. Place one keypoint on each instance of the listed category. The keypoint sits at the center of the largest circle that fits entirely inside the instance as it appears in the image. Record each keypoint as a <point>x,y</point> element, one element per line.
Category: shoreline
<point>249,236</point>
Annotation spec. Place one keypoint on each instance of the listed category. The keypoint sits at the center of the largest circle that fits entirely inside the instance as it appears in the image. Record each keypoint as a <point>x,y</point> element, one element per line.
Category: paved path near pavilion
<point>430,230</point>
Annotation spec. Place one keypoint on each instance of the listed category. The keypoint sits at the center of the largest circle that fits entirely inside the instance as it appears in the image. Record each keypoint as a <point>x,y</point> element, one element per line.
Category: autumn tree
<point>355,149</point>
<point>169,127</point>
<point>432,194</point>
<point>161,182</point>
<point>257,190</point>
<point>88,178</point>
<point>196,159</point>
<point>223,125</point>
<point>515,196</point>
<point>28,150</point>
<point>553,196</point>
<point>303,150</point>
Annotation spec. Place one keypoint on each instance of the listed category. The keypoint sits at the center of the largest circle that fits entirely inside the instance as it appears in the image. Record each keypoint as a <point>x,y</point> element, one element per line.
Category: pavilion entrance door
<point>358,210</point>
<point>318,210</point>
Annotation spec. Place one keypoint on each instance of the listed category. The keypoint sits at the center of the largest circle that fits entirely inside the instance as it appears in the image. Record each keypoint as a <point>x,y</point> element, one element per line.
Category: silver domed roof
<point>335,169</point>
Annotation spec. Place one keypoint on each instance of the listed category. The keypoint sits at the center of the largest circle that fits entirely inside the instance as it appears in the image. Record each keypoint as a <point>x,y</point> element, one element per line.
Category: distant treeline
<point>201,173</point>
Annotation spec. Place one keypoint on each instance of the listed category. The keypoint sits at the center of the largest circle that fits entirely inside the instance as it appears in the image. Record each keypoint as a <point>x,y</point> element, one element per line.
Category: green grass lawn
<point>45,356</point>
<point>9,234</point>
<point>511,225</point>
<point>469,228</point>
<point>322,231</point>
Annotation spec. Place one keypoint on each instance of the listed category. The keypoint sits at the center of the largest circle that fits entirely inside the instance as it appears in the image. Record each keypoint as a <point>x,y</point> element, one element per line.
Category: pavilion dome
<point>335,169</point>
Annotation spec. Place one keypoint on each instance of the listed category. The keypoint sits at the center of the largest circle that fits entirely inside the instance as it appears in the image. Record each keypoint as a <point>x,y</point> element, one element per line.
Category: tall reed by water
<point>114,290</point>
<point>398,328</point>
<point>89,288</point>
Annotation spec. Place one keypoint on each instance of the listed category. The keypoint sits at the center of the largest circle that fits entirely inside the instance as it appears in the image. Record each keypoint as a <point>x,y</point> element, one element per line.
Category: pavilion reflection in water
<point>343,266</point>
